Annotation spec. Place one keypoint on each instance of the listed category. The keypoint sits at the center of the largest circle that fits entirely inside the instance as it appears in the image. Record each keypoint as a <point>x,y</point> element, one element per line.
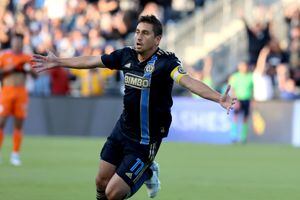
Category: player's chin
<point>139,50</point>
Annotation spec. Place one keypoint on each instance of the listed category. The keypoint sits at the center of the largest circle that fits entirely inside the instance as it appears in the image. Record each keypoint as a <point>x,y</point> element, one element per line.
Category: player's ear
<point>157,40</point>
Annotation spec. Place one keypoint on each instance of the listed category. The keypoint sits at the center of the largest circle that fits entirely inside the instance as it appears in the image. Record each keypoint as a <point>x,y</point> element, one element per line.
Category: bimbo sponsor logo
<point>136,81</point>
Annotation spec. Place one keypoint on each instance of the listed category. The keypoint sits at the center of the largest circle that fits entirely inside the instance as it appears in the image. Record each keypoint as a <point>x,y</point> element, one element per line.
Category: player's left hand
<point>226,101</point>
<point>42,63</point>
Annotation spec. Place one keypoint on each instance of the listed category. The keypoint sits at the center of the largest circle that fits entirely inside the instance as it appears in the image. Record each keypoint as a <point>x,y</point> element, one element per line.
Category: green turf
<point>64,168</point>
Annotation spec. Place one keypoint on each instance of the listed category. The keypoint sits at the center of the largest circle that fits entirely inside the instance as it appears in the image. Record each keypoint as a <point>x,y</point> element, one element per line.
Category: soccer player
<point>242,87</point>
<point>14,65</point>
<point>149,72</point>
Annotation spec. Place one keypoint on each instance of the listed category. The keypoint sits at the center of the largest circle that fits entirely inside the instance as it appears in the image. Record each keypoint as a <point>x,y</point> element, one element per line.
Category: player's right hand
<point>226,101</point>
<point>42,63</point>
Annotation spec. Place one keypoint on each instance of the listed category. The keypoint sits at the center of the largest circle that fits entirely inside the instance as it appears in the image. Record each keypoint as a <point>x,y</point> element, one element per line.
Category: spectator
<point>203,74</point>
<point>41,87</point>
<point>154,9</point>
<point>258,36</point>
<point>275,57</point>
<point>59,79</point>
<point>262,83</point>
<point>289,91</point>
<point>276,54</point>
<point>286,85</point>
<point>294,51</point>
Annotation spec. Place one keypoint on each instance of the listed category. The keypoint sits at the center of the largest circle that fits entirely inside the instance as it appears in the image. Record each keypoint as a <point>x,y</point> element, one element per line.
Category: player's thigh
<point>117,188</point>
<point>6,102</point>
<point>246,108</point>
<point>134,171</point>
<point>111,156</point>
<point>105,173</point>
<point>134,168</point>
<point>21,103</point>
<point>111,152</point>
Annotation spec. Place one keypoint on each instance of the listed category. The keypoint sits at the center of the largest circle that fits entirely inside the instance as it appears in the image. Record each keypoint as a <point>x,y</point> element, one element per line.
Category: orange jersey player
<point>14,65</point>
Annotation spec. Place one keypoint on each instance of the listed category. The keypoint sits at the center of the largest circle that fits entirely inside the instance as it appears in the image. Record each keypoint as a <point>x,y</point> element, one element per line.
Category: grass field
<point>57,168</point>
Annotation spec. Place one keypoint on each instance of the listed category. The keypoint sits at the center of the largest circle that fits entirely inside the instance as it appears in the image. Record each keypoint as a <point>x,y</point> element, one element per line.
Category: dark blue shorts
<point>131,158</point>
<point>244,108</point>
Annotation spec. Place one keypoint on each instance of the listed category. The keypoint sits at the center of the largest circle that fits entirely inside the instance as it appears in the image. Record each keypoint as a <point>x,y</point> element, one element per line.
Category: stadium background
<point>204,34</point>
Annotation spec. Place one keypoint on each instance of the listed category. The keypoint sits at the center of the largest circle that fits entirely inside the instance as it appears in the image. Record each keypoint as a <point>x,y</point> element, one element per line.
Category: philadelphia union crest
<point>149,68</point>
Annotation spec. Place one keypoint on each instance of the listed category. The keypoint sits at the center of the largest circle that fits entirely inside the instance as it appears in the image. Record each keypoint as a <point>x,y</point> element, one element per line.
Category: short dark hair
<point>151,19</point>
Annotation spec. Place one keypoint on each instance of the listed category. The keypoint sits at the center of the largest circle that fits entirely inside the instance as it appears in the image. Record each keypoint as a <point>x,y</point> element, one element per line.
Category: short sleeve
<point>233,81</point>
<point>114,59</point>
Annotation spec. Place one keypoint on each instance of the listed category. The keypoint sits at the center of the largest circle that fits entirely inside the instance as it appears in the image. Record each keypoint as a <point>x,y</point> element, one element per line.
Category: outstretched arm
<point>201,89</point>
<point>42,63</point>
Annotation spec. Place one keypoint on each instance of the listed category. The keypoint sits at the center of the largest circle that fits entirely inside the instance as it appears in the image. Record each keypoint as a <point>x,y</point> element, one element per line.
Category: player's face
<point>144,39</point>
<point>243,67</point>
<point>17,44</point>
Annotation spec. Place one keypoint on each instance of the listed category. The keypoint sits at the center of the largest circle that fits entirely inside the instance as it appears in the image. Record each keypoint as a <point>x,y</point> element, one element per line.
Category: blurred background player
<point>242,88</point>
<point>14,65</point>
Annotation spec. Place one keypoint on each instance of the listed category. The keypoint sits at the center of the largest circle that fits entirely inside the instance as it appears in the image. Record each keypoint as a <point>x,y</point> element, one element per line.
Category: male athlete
<point>128,154</point>
<point>14,65</point>
<point>242,88</point>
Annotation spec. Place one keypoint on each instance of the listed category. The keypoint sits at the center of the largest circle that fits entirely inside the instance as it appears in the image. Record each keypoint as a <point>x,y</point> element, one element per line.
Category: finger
<point>227,90</point>
<point>229,109</point>
<point>37,56</point>
<point>37,65</point>
<point>37,60</point>
<point>39,70</point>
<point>224,96</point>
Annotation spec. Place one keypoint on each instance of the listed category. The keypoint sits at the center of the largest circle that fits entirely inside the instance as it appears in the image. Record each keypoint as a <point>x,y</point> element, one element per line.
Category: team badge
<point>181,70</point>
<point>149,68</point>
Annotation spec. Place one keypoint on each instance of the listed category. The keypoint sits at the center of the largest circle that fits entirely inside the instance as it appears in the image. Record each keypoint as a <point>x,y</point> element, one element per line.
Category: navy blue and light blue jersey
<point>147,101</point>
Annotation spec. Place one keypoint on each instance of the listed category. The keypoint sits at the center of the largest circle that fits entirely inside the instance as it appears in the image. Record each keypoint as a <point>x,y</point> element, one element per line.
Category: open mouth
<point>138,45</point>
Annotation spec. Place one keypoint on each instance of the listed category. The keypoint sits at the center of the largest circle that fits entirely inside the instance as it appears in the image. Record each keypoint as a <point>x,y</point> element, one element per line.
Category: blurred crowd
<point>273,65</point>
<point>80,27</point>
<point>92,27</point>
